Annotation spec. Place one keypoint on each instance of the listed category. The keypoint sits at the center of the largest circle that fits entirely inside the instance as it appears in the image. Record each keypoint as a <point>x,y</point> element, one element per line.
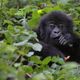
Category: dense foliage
<point>17,40</point>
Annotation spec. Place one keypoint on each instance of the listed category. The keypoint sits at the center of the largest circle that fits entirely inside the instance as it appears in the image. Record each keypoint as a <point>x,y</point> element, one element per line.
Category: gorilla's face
<point>59,33</point>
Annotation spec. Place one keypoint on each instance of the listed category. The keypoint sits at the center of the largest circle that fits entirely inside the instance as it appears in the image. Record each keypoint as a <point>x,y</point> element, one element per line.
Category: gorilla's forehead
<point>57,17</point>
<point>55,22</point>
<point>58,20</point>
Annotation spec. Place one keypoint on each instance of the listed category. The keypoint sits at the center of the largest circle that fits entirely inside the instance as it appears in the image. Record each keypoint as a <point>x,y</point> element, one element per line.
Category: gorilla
<point>55,33</point>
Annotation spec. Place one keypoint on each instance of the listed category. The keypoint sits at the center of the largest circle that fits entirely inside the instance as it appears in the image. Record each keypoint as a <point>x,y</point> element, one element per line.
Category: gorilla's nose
<point>55,34</point>
<point>56,30</point>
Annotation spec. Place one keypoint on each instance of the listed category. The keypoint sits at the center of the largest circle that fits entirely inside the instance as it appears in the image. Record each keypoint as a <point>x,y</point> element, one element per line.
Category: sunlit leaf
<point>37,47</point>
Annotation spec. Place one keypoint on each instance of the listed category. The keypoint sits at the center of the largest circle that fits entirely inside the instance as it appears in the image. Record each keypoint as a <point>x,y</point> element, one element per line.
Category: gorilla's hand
<point>58,34</point>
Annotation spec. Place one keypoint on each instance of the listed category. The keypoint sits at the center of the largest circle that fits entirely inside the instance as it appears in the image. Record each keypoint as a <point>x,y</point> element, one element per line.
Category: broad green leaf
<point>30,54</point>
<point>46,60</point>
<point>27,69</point>
<point>40,76</point>
<point>35,59</point>
<point>37,47</point>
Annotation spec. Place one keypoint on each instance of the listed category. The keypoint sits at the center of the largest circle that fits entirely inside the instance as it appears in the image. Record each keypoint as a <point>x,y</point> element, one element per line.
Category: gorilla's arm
<point>49,50</point>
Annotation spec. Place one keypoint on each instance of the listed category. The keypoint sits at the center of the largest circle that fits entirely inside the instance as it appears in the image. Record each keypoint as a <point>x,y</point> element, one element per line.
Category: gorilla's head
<point>56,27</point>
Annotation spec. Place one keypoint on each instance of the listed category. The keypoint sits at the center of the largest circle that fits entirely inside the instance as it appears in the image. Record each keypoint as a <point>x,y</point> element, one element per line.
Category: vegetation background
<point>18,18</point>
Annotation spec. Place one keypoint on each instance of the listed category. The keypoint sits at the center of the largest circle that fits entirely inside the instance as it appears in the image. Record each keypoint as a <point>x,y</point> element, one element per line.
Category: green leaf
<point>46,60</point>
<point>9,38</point>
<point>27,69</point>
<point>10,49</point>
<point>48,75</point>
<point>40,76</point>
<point>17,65</point>
<point>37,47</point>
<point>35,59</point>
<point>30,54</point>
<point>8,22</point>
<point>70,65</point>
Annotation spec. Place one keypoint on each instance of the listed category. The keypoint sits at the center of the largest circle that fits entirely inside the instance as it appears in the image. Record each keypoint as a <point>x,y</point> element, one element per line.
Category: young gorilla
<point>55,33</point>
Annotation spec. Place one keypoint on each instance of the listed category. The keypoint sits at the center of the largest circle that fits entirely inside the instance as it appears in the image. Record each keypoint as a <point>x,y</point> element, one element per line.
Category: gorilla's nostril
<point>56,32</point>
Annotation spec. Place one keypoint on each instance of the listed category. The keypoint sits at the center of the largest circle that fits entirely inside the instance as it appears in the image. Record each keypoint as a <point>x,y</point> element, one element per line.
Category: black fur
<point>53,46</point>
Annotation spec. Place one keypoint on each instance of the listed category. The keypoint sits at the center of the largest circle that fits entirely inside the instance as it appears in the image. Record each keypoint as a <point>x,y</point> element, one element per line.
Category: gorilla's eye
<point>61,26</point>
<point>51,25</point>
